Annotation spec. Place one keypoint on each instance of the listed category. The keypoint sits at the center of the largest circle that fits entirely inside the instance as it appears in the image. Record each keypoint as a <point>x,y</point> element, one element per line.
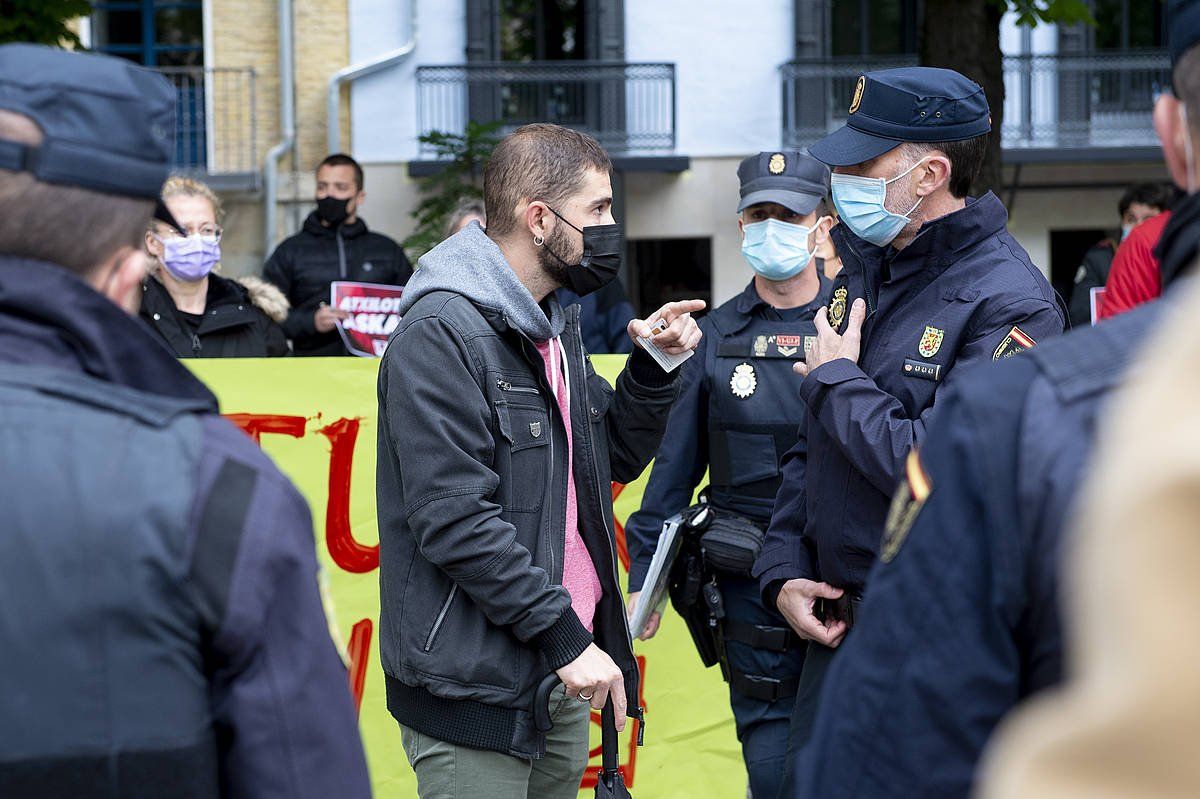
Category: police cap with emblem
<point>792,179</point>
<point>912,104</point>
<point>108,125</point>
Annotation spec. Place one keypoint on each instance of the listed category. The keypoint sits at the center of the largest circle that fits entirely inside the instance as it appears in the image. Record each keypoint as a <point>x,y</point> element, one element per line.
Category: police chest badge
<point>1015,342</point>
<point>906,504</point>
<point>837,308</point>
<point>744,381</point>
<point>760,347</point>
<point>931,342</point>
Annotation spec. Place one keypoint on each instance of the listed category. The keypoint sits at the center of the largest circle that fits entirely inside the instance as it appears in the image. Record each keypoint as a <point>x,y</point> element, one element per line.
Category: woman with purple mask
<point>198,313</point>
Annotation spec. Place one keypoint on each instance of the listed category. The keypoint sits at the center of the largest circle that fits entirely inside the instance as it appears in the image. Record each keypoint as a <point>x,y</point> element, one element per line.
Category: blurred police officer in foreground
<point>931,281</point>
<point>736,415</point>
<point>962,617</point>
<point>161,630</point>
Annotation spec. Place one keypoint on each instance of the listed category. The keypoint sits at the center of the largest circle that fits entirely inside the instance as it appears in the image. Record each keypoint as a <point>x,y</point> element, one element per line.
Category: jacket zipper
<point>341,254</point>
<point>636,710</point>
<point>504,385</point>
<point>441,617</point>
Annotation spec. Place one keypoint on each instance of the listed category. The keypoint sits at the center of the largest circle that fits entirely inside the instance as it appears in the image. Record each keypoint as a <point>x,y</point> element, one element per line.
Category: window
<point>1129,24</point>
<point>168,36</point>
<point>151,32</point>
<point>542,30</point>
<point>874,27</point>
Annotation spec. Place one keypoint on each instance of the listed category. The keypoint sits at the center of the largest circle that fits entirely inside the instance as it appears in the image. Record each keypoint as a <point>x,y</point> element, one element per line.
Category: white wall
<point>383,106</point>
<point>727,57</point>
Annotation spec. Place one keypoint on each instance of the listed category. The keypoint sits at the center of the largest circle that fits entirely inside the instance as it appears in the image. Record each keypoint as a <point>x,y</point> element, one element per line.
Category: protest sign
<point>373,316</point>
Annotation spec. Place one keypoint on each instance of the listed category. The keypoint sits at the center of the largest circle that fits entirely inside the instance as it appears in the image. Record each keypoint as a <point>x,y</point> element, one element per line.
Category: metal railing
<point>1063,102</point>
<point>216,129</point>
<point>628,108</point>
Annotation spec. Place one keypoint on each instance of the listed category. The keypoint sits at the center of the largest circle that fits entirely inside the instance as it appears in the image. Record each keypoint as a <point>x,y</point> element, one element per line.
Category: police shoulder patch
<point>1015,342</point>
<point>910,497</point>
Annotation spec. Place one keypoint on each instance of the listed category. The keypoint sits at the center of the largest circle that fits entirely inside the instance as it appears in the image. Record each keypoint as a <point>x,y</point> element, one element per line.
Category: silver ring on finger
<point>584,697</point>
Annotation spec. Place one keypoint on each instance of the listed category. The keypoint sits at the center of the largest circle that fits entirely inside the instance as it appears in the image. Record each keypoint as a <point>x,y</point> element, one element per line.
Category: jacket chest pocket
<point>525,432</point>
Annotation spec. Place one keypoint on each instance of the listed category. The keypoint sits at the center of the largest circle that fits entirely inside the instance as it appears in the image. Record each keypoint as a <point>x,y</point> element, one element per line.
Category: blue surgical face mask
<point>776,250</point>
<point>859,203</point>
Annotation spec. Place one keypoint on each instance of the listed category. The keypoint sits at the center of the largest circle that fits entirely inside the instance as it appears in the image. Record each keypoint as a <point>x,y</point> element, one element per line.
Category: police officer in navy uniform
<point>931,282</point>
<point>961,621</point>
<point>161,625</point>
<point>736,415</point>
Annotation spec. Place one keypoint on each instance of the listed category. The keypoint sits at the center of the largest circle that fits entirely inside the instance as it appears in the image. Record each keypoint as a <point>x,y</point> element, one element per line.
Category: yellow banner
<point>316,419</point>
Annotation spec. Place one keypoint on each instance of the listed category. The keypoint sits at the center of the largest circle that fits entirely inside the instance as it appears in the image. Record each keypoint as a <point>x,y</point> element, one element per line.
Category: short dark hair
<point>966,160</point>
<point>78,229</point>
<point>341,159</point>
<point>537,162</point>
<point>1155,195</point>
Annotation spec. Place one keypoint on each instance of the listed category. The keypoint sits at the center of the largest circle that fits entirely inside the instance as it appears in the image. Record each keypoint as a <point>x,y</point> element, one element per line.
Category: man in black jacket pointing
<point>498,443</point>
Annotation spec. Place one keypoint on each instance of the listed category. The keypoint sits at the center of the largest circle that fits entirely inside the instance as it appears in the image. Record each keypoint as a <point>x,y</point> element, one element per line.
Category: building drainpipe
<point>355,71</point>
<point>287,123</point>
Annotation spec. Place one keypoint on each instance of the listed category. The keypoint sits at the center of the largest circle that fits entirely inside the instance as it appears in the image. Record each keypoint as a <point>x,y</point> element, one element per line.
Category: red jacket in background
<point>1135,277</point>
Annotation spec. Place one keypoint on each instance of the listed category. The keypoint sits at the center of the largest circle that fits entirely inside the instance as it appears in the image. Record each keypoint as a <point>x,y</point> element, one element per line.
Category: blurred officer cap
<point>794,180</point>
<point>108,124</point>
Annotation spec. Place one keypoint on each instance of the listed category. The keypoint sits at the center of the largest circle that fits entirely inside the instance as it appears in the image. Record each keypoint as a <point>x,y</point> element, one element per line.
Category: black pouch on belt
<point>731,543</point>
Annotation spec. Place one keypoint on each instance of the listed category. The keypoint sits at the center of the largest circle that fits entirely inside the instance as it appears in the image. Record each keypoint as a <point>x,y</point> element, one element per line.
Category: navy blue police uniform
<point>962,292</point>
<point>961,620</point>
<point>736,415</point>
<point>161,627</point>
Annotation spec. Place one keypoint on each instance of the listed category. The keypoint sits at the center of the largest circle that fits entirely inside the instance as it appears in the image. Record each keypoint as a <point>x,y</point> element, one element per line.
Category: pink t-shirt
<point>579,573</point>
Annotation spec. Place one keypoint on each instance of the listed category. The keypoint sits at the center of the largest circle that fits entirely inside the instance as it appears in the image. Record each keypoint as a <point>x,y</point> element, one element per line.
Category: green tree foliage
<point>964,35</point>
<point>41,21</point>
<point>464,155</point>
<point>1063,12</point>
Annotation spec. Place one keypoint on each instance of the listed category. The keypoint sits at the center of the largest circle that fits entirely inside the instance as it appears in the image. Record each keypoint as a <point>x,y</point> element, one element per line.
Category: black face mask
<point>601,257</point>
<point>333,210</point>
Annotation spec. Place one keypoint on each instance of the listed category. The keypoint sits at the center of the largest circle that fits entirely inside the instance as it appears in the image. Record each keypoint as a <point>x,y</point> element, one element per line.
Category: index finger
<point>620,705</point>
<point>674,309</point>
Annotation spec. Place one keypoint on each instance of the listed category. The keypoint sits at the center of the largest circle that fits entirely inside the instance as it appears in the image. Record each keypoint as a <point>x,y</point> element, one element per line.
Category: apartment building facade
<point>677,90</point>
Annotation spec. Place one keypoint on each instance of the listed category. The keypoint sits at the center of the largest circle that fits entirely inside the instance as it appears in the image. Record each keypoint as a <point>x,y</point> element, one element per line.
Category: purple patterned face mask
<point>192,258</point>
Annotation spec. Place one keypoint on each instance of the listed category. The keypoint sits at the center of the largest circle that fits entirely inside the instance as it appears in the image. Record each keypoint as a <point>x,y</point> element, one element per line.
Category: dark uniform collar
<point>750,302</point>
<point>937,243</point>
<point>49,317</point>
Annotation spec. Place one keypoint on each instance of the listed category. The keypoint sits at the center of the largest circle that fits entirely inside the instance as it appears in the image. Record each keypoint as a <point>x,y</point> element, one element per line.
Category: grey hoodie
<point>471,264</point>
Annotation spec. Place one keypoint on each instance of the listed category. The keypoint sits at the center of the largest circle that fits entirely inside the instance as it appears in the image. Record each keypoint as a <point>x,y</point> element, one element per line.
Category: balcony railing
<point>1066,104</point>
<point>215,124</point>
<point>628,108</point>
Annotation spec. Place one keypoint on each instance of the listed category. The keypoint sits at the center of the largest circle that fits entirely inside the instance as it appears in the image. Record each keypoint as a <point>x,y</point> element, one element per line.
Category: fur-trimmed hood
<point>265,296</point>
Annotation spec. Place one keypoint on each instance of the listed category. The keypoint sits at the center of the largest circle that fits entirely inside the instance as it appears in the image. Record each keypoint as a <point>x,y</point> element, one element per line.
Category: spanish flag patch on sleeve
<point>1016,341</point>
<point>910,497</point>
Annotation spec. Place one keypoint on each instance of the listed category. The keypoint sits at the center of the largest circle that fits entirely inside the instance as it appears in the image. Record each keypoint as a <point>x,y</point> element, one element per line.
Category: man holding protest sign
<point>334,245</point>
<point>497,554</point>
